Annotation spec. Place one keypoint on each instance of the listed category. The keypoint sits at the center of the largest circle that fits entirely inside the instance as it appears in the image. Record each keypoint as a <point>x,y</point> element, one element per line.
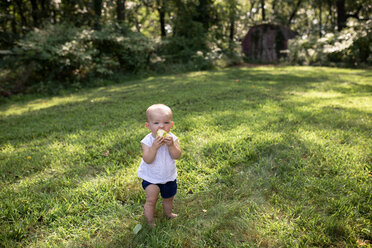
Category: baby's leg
<point>152,193</point>
<point>168,206</point>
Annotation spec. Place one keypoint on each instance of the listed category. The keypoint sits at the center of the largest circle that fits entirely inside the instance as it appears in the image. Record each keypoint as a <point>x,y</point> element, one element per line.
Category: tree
<point>161,8</point>
<point>348,9</point>
<point>263,10</point>
<point>232,8</point>
<point>97,7</point>
<point>34,13</point>
<point>120,10</point>
<point>294,11</point>
<point>341,14</point>
<point>21,12</point>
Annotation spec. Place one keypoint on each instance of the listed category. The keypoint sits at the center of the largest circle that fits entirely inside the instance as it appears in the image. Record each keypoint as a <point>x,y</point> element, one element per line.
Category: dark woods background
<point>49,45</point>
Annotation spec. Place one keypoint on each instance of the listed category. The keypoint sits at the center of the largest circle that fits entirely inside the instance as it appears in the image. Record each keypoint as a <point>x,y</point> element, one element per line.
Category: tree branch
<point>294,12</point>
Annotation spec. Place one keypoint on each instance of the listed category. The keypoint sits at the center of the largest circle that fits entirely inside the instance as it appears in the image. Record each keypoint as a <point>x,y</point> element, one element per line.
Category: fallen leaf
<point>363,242</point>
<point>137,228</point>
<point>106,153</point>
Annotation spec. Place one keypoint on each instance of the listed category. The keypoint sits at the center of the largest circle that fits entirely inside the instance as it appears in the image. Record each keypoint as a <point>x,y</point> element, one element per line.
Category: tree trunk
<point>20,12</point>
<point>294,12</point>
<point>161,10</point>
<point>44,10</point>
<point>34,13</point>
<point>232,29</point>
<point>13,22</point>
<point>263,10</point>
<point>162,23</point>
<point>120,10</point>
<point>253,3</point>
<point>341,14</point>
<point>203,13</point>
<point>274,7</point>
<point>54,16</point>
<point>232,15</point>
<point>320,20</point>
<point>97,7</point>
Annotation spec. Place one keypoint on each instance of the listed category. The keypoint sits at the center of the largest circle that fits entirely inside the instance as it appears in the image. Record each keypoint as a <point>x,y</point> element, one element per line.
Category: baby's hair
<point>158,107</point>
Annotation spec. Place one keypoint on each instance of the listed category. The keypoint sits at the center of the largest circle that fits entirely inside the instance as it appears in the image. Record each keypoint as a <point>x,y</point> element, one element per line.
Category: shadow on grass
<point>276,197</point>
<point>300,182</point>
<point>188,97</point>
<point>283,176</point>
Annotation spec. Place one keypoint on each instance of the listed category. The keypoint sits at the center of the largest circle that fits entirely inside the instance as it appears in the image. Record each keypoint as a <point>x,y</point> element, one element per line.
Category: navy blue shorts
<point>167,190</point>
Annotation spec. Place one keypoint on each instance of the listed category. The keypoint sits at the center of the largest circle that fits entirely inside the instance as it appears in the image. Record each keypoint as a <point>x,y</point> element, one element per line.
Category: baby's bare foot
<point>151,224</point>
<point>172,215</point>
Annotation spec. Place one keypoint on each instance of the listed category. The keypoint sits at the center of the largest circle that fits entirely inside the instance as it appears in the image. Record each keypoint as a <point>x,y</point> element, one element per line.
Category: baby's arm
<point>173,147</point>
<point>149,153</point>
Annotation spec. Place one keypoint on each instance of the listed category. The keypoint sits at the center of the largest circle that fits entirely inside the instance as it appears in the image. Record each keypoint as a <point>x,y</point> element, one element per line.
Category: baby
<point>158,165</point>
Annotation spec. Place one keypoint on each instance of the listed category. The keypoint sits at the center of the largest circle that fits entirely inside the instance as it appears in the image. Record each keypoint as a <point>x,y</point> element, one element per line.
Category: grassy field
<point>272,157</point>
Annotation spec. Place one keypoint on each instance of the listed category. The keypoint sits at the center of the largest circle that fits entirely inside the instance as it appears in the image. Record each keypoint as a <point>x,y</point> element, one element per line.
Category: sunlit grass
<point>272,157</point>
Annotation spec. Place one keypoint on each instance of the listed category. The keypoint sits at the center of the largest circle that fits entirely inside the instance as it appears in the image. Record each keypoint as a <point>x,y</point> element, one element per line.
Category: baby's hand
<point>158,142</point>
<point>169,141</point>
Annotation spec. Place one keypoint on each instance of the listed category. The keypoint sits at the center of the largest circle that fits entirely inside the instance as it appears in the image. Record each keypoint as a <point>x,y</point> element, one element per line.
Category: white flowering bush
<point>350,47</point>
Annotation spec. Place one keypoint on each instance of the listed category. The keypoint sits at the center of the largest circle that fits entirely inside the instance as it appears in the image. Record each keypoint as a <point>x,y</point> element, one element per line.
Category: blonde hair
<point>158,107</point>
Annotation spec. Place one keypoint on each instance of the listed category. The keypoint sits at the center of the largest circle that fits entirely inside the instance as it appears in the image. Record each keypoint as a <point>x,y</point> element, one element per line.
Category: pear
<point>162,133</point>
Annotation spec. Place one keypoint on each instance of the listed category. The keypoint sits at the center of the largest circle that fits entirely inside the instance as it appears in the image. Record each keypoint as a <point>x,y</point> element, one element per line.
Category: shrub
<point>188,47</point>
<point>182,52</point>
<point>350,47</point>
<point>359,52</point>
<point>64,54</point>
<point>130,50</point>
<point>53,53</point>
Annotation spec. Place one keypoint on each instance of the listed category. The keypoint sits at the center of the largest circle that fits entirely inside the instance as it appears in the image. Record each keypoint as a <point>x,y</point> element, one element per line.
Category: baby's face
<point>159,120</point>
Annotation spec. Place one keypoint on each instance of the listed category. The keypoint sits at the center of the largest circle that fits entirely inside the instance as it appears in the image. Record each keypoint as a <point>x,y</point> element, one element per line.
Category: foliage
<point>190,34</point>
<point>272,157</point>
<point>64,54</point>
<point>182,50</point>
<point>350,47</point>
<point>131,50</point>
<point>188,46</point>
<point>21,16</point>
<point>57,44</point>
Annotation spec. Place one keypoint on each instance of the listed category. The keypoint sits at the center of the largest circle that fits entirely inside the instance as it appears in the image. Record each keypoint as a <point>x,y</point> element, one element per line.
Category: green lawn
<point>272,157</point>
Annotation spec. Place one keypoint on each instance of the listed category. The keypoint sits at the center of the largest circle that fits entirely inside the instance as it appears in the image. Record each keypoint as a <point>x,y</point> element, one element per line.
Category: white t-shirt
<point>163,168</point>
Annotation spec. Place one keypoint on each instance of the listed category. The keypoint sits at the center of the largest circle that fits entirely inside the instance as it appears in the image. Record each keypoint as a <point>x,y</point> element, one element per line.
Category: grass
<point>272,157</point>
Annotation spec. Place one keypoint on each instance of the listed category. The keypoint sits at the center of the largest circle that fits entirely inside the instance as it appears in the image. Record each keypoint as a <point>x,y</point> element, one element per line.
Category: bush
<point>64,54</point>
<point>7,40</point>
<point>130,50</point>
<point>359,52</point>
<point>188,47</point>
<point>350,47</point>
<point>182,52</point>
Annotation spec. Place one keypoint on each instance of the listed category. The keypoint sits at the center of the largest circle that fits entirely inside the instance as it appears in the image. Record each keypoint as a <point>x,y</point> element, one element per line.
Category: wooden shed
<point>266,42</point>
